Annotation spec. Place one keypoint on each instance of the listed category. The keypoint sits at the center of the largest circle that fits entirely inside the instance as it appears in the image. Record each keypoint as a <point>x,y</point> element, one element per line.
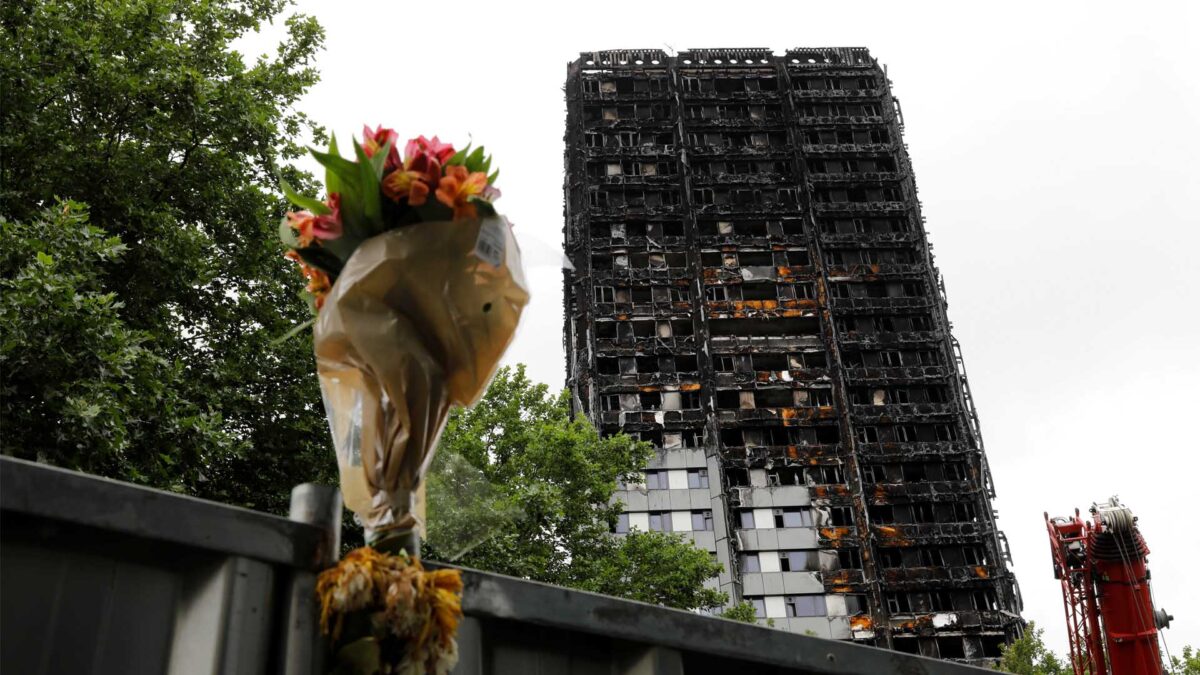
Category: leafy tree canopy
<point>1186,664</point>
<point>556,477</point>
<point>1029,655</point>
<point>137,345</point>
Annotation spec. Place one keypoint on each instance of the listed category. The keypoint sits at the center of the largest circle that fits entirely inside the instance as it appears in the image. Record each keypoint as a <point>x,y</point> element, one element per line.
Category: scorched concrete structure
<point>753,293</point>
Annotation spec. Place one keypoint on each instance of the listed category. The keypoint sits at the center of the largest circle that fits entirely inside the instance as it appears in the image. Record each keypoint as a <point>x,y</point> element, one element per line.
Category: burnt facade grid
<point>754,294</point>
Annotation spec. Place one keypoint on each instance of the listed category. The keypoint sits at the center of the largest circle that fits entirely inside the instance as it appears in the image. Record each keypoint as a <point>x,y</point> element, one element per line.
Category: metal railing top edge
<point>494,596</point>
<point>56,494</point>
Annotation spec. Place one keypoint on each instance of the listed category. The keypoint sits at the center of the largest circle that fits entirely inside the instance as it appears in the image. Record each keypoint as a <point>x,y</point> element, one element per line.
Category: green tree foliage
<point>1188,664</point>
<point>557,475</point>
<point>74,369</point>
<point>139,346</point>
<point>1030,656</point>
<point>743,611</point>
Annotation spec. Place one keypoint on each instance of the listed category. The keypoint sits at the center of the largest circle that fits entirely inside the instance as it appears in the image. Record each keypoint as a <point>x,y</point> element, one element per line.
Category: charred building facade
<point>754,294</point>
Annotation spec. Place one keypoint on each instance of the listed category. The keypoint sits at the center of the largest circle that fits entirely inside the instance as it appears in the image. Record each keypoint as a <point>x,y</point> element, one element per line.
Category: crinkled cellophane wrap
<point>416,322</point>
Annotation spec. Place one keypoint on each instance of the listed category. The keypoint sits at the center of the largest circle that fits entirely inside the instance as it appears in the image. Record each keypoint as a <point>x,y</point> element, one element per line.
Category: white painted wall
<point>764,519</point>
<point>775,607</point>
<point>639,521</point>
<point>681,521</point>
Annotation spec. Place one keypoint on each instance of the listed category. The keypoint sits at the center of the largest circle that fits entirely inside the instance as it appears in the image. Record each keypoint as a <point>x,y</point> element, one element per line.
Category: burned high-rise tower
<point>753,293</point>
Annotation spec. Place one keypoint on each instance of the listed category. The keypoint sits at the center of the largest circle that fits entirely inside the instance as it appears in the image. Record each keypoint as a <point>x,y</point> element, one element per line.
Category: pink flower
<point>309,226</point>
<point>374,140</point>
<point>432,148</point>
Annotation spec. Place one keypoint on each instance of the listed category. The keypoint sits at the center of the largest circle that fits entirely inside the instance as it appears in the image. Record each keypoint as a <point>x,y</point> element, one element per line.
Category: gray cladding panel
<point>116,616</point>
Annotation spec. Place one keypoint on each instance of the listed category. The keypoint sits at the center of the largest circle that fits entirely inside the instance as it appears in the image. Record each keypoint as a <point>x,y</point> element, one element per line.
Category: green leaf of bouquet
<point>322,258</point>
<point>475,160</point>
<point>286,234</point>
<point>369,191</point>
<point>349,178</point>
<point>342,172</point>
<point>459,157</point>
<point>380,158</point>
<point>298,328</point>
<point>331,183</point>
<point>310,301</point>
<point>492,178</point>
<point>304,201</point>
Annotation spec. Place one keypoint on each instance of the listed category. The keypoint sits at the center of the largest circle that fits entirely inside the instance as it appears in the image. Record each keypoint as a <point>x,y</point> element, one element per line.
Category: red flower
<point>411,185</point>
<point>374,140</point>
<point>420,172</point>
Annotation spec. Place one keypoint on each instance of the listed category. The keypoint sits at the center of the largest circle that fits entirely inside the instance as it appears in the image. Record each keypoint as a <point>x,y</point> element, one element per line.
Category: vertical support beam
<point>223,620</point>
<point>722,519</point>
<point>303,648</point>
<point>849,454</point>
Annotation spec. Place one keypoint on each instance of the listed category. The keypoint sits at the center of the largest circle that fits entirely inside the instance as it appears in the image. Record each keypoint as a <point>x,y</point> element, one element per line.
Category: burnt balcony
<point>927,533</point>
<point>727,379</point>
<point>863,339</point>
<point>618,152</point>
<point>657,180</point>
<point>839,94</point>
<point>923,491</point>
<point>732,96</point>
<point>629,124</point>
<point>896,375</point>
<point>896,303</point>
<point>880,207</point>
<point>777,180</point>
<point>745,309</point>
<point>850,149</point>
<point>794,414</point>
<point>902,412</point>
<point>739,151</point>
<point>869,238</point>
<point>830,120</point>
<point>915,578</point>
<point>737,123</point>
<point>857,178</point>
<point>914,450</point>
<point>629,418</point>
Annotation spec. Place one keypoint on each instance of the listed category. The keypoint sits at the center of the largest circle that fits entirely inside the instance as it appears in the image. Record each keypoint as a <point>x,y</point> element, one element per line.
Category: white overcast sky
<point>1056,148</point>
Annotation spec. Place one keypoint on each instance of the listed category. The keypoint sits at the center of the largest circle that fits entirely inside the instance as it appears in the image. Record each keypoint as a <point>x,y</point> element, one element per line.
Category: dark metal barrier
<point>98,576</point>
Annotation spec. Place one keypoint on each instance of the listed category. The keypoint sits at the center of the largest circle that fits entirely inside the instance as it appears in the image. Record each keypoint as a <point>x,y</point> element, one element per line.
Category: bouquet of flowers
<point>417,287</point>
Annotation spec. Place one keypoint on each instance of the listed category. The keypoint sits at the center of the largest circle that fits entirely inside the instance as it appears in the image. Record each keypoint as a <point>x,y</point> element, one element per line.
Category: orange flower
<point>458,186</point>
<point>318,281</point>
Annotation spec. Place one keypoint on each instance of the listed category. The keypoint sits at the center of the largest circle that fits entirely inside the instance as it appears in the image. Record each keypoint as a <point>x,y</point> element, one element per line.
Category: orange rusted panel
<point>835,533</point>
<point>861,622</point>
